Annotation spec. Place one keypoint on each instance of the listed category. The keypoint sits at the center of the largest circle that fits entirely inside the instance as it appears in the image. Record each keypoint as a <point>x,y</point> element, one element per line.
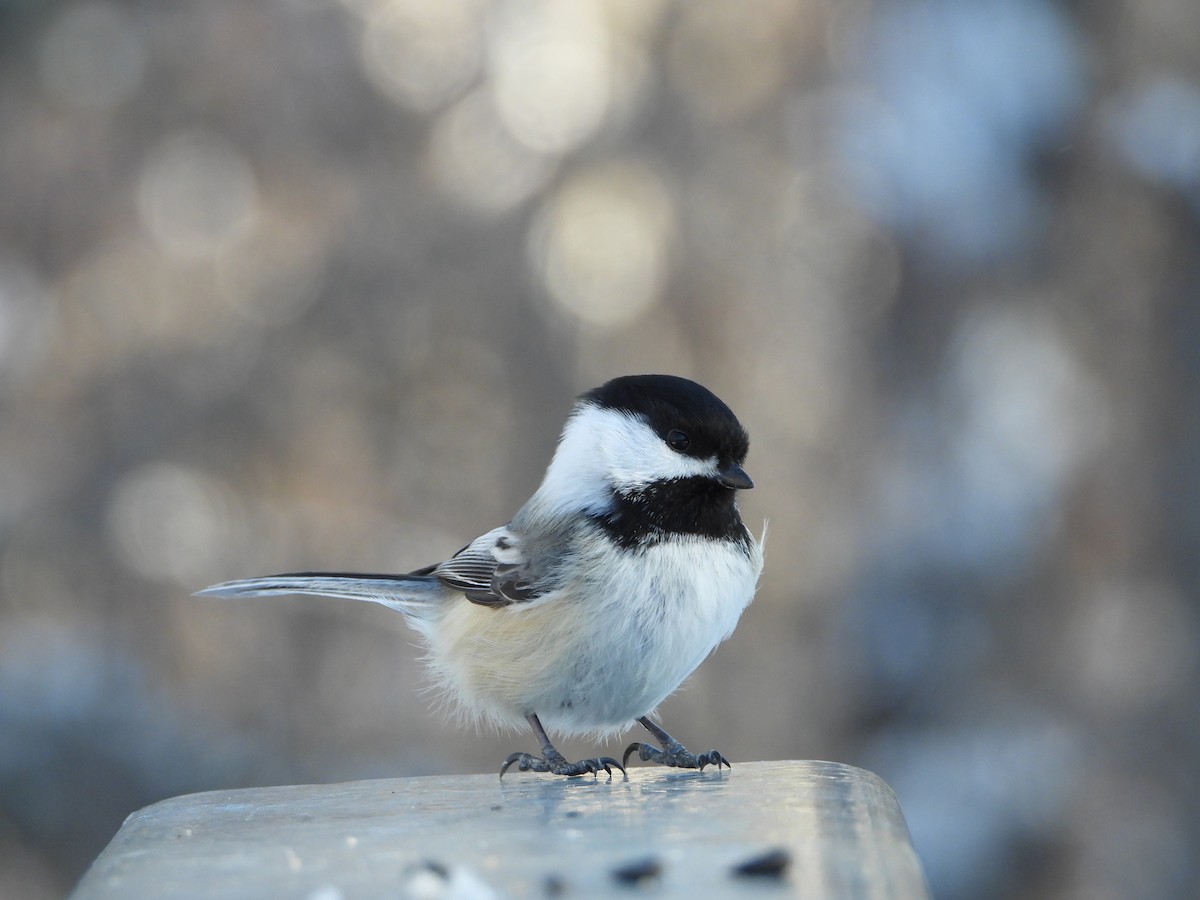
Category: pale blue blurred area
<point>87,734</point>
<point>310,284</point>
<point>958,99</point>
<point>1156,128</point>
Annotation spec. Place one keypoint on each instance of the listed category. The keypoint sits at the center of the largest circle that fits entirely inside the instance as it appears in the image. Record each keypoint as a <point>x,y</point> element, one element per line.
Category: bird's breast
<point>606,647</point>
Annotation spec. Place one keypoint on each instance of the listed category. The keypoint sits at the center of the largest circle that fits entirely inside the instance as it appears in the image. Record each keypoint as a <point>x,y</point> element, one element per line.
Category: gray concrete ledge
<point>819,829</point>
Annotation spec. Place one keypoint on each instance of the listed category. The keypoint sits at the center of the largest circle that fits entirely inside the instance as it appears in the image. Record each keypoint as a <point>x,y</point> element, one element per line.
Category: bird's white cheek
<point>603,449</point>
<point>636,456</point>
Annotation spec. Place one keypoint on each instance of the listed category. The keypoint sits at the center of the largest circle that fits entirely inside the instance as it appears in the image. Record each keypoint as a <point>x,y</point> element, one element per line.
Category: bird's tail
<point>411,594</point>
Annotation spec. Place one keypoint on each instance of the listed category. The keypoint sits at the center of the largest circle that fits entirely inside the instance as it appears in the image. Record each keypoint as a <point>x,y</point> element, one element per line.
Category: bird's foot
<point>556,763</point>
<point>676,755</point>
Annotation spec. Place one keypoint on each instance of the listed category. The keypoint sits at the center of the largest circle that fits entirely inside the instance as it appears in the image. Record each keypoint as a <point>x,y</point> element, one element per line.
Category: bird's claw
<point>557,764</point>
<point>677,756</point>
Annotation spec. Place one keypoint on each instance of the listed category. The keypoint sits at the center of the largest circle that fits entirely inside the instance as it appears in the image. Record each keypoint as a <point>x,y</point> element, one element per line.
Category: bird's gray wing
<point>492,570</point>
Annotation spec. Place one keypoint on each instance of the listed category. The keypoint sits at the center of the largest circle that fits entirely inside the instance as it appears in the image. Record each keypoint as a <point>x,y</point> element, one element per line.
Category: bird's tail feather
<point>404,593</point>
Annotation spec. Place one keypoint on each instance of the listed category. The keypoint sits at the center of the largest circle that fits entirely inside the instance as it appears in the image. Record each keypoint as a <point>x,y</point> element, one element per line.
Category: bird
<point>622,572</point>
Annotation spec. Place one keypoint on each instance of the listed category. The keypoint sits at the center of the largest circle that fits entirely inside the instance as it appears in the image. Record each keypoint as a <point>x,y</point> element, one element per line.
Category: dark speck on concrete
<point>639,871</point>
<point>771,864</point>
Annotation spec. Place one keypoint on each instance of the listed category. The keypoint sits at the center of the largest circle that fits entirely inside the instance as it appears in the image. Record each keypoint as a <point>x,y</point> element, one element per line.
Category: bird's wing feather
<point>406,593</point>
<point>492,570</point>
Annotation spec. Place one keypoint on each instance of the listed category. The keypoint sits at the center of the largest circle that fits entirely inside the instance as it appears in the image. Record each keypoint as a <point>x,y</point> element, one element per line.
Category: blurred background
<point>309,284</point>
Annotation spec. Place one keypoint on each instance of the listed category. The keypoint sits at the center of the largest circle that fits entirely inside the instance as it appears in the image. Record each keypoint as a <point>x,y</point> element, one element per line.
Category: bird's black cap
<point>667,403</point>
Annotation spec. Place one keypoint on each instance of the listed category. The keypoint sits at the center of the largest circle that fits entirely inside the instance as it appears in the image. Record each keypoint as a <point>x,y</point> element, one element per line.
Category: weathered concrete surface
<point>675,834</point>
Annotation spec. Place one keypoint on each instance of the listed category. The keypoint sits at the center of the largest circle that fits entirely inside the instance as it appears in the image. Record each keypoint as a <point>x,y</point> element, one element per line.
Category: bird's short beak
<point>734,476</point>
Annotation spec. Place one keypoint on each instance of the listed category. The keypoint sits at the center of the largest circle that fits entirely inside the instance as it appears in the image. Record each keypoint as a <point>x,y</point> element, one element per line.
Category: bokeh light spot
<point>167,521</point>
<point>473,158</point>
<point>602,244</point>
<point>422,54</point>
<point>552,73</point>
<point>197,195</point>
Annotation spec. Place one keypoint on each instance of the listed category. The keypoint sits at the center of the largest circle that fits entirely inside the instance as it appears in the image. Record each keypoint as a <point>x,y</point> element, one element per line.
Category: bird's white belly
<point>620,652</point>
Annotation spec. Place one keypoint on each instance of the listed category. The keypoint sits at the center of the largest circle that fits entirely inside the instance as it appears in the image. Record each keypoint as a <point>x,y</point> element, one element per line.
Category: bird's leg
<point>553,761</point>
<point>672,753</point>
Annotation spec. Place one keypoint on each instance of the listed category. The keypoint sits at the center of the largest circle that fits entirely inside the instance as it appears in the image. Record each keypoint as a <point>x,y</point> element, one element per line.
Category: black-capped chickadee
<point>607,589</point>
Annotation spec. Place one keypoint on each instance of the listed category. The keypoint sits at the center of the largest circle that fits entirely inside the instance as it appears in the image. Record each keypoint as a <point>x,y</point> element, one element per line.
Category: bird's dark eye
<point>677,440</point>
